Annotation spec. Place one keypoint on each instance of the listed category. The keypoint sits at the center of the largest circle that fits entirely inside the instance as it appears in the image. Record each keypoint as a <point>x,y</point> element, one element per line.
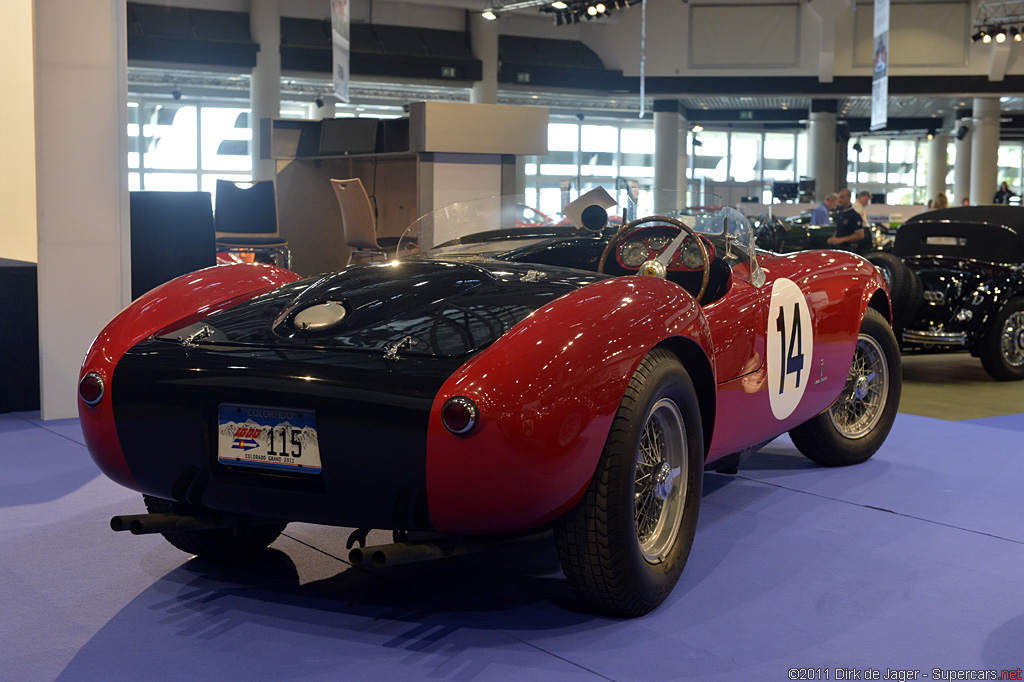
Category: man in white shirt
<point>861,205</point>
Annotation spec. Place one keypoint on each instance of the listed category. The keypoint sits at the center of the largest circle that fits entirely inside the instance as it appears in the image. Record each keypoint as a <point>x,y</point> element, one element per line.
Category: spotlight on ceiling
<point>978,36</point>
<point>986,37</point>
<point>592,11</point>
<point>962,132</point>
<point>1000,35</point>
<point>930,135</point>
<point>1016,35</point>
<point>559,5</point>
<point>857,147</point>
<point>697,143</point>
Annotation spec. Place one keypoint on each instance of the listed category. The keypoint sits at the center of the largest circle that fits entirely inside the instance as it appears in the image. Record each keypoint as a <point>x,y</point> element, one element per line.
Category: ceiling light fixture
<point>1000,35</point>
<point>559,5</point>
<point>489,15</point>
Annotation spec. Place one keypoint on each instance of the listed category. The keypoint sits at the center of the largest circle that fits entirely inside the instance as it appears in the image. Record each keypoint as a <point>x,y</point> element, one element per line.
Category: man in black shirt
<point>849,224</point>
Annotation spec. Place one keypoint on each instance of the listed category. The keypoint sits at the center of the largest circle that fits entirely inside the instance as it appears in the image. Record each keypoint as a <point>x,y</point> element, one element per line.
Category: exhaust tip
<point>379,559</point>
<point>117,524</point>
<point>355,557</point>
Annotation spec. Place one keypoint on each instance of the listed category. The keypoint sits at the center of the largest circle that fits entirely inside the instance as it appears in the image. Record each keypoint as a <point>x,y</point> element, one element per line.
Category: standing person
<point>1003,194</point>
<point>849,224</point>
<point>823,214</point>
<point>861,205</point>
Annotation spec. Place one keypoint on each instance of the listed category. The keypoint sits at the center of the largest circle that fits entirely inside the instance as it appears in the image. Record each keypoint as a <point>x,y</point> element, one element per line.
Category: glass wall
<point>187,147</point>
<point>1009,167</point>
<point>892,167</point>
<point>611,153</point>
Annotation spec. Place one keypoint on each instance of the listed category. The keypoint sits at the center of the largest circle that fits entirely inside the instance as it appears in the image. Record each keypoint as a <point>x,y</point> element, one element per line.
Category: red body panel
<point>175,304</point>
<point>837,287</point>
<point>547,392</point>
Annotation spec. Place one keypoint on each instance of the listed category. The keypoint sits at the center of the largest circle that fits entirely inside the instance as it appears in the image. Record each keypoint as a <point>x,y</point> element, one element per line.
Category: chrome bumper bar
<point>935,338</point>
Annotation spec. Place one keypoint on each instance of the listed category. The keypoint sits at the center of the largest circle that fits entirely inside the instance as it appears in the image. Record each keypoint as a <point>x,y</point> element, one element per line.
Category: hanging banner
<point>880,72</point>
<point>340,39</point>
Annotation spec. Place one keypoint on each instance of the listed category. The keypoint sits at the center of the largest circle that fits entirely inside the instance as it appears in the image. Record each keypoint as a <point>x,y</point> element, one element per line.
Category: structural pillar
<point>483,36</point>
<point>683,157</point>
<point>984,150</point>
<point>81,174</point>
<point>325,110</point>
<point>938,167</point>
<point>962,168</point>
<point>822,148</point>
<point>265,83</point>
<point>666,149</point>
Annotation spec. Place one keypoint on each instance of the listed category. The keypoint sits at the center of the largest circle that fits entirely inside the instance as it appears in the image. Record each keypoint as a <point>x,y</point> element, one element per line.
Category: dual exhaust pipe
<point>398,553</point>
<point>379,556</point>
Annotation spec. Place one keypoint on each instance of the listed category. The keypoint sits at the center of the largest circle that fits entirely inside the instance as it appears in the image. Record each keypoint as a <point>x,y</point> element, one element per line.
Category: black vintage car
<point>785,235</point>
<point>956,278</point>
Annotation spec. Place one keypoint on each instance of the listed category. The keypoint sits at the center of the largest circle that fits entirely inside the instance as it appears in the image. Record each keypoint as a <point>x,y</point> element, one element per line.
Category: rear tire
<point>897,277</point>
<point>857,423</point>
<point>221,544</point>
<point>1002,348</point>
<point>624,545</point>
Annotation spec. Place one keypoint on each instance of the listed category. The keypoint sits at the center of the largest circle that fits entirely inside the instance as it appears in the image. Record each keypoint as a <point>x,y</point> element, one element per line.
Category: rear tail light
<point>90,388</point>
<point>459,415</point>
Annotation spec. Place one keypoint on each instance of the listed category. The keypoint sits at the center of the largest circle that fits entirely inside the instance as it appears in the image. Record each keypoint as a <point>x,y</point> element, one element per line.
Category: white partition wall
<point>17,170</point>
<point>81,184</point>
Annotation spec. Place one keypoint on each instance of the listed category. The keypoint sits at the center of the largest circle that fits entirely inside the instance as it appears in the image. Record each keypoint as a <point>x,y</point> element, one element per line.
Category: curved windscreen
<point>461,227</point>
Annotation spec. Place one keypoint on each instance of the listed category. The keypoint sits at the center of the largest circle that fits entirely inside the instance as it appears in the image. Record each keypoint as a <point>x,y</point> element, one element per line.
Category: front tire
<point>221,544</point>
<point>624,545</point>
<point>1002,348</point>
<point>857,423</point>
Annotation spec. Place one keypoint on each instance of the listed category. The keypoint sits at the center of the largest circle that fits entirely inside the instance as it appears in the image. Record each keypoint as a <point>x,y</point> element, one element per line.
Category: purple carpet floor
<point>911,564</point>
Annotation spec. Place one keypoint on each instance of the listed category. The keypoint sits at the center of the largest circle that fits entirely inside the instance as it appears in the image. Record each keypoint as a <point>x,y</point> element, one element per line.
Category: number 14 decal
<point>790,346</point>
<point>790,362</point>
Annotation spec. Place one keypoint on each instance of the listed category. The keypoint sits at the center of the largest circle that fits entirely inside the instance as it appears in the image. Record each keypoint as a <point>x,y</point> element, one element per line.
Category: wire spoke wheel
<point>1012,341</point>
<point>661,460</point>
<point>863,399</point>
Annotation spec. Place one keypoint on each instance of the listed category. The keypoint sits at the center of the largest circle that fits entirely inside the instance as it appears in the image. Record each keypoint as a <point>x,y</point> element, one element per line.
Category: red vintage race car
<point>503,381</point>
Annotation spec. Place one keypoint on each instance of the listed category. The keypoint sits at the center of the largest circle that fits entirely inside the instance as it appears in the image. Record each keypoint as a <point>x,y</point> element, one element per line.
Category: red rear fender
<point>547,392</point>
<point>182,301</point>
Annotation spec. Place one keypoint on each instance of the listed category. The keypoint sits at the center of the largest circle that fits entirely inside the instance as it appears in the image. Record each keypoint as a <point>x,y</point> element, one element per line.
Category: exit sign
<point>522,76</point>
<point>447,72</point>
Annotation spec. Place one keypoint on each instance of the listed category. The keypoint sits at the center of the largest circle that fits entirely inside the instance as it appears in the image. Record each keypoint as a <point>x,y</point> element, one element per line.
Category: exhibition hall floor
<point>910,562</point>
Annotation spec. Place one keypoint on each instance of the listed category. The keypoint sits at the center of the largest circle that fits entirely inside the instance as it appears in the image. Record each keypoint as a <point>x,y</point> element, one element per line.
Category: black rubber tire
<point>914,302</point>
<point>221,544</point>
<point>990,349</point>
<point>898,276</point>
<point>598,544</point>
<point>821,440</point>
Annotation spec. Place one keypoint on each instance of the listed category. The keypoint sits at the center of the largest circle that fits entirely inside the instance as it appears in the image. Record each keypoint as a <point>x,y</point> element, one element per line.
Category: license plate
<point>268,437</point>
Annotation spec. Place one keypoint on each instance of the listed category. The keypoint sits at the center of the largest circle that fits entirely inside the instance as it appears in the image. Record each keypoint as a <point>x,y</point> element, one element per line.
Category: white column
<point>81,185</point>
<point>666,144</point>
<point>326,110</point>
<point>265,84</point>
<point>683,164</point>
<point>822,153</point>
<point>938,167</point>
<point>483,35</point>
<point>962,169</point>
<point>984,150</point>
<point>666,152</point>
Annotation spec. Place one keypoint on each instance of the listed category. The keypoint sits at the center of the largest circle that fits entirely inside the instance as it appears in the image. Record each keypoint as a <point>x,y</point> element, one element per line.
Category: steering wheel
<point>659,265</point>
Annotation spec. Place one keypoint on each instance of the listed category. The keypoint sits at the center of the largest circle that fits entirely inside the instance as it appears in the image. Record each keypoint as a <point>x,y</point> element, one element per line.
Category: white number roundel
<point>790,347</point>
